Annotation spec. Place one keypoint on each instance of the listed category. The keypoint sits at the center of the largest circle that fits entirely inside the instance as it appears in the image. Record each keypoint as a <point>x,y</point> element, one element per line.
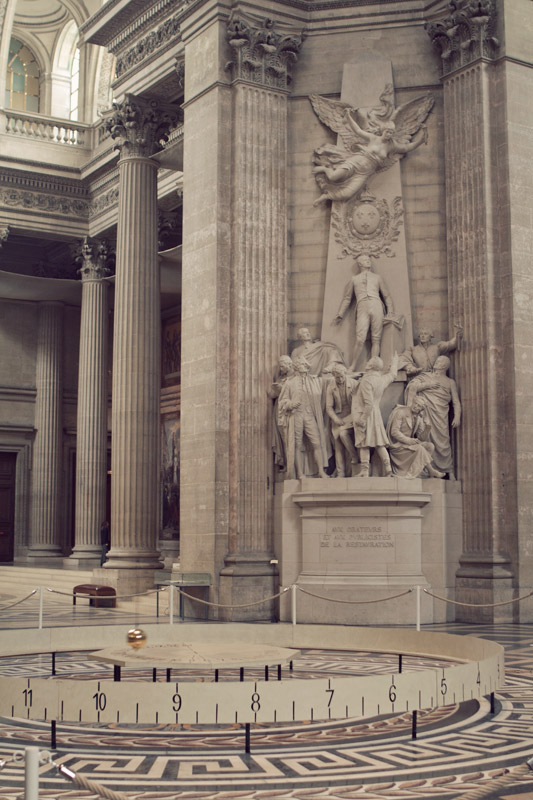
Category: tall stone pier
<point>486,116</point>
<point>234,324</point>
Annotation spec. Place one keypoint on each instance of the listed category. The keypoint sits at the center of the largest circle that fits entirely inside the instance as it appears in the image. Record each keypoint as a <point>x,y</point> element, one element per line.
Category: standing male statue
<point>370,292</point>
<point>339,409</point>
<point>319,354</point>
<point>279,430</point>
<point>421,357</point>
<point>368,424</point>
<point>301,401</point>
<point>438,391</point>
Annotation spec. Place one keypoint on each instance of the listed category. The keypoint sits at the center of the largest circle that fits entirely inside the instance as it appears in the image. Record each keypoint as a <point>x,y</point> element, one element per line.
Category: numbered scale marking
<point>261,701</point>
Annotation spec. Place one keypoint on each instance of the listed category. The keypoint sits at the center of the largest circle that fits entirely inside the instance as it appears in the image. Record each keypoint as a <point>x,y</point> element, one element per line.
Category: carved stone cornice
<point>262,55</point>
<point>155,40</point>
<point>140,126</point>
<point>466,34</point>
<point>94,258</point>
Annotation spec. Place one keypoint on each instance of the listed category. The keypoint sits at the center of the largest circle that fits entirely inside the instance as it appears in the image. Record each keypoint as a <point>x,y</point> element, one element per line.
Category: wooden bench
<point>99,596</point>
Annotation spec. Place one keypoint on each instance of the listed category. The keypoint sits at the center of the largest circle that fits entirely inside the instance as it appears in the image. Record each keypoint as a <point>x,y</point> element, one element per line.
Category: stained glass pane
<point>17,101</point>
<point>19,82</point>
<point>17,67</point>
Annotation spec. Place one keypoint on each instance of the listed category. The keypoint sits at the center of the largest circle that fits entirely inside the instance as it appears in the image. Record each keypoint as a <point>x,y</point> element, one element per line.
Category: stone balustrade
<point>48,129</point>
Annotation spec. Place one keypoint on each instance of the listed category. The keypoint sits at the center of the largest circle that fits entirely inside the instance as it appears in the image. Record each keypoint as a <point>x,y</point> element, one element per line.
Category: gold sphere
<point>136,638</point>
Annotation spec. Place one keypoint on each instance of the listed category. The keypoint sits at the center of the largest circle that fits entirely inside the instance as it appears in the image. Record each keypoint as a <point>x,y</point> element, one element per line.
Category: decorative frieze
<point>466,34</point>
<point>140,126</point>
<point>262,55</point>
<point>36,201</point>
<point>148,45</point>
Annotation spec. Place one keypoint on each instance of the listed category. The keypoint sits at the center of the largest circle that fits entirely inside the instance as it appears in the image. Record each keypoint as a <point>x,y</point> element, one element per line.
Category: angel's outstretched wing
<point>410,116</point>
<point>332,114</point>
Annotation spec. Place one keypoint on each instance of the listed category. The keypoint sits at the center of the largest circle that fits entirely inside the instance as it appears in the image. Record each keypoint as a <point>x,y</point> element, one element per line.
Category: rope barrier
<point>353,602</point>
<point>96,788</point>
<point>11,605</point>
<point>241,605</point>
<point>489,789</point>
<point>479,605</point>
<point>115,596</point>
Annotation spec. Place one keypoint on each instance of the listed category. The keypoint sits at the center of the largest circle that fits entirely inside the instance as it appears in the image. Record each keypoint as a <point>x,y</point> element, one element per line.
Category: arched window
<point>22,88</point>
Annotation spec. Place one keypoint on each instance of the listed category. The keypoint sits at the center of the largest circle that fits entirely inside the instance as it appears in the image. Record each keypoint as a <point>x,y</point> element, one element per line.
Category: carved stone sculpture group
<point>328,421</point>
<point>327,418</point>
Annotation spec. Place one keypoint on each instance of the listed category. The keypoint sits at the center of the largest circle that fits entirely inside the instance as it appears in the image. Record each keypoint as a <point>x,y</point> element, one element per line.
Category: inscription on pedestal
<point>370,541</point>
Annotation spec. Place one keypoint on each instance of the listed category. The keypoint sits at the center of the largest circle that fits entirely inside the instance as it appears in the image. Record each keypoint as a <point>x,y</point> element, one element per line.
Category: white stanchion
<point>171,604</point>
<point>40,608</point>
<point>294,589</point>
<point>31,773</point>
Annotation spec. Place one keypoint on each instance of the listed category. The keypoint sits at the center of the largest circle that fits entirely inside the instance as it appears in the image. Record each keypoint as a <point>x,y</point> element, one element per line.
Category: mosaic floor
<point>457,749</point>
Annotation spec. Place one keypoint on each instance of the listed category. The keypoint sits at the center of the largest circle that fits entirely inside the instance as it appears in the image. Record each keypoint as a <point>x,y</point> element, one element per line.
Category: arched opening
<point>23,77</point>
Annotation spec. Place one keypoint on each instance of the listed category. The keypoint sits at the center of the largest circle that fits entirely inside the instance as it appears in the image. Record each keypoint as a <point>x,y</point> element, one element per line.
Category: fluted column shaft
<point>45,534</point>
<point>259,321</point>
<point>91,434</point>
<point>136,371</point>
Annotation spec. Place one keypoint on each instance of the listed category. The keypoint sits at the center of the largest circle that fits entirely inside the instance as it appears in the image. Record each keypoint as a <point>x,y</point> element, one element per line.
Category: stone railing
<point>48,129</point>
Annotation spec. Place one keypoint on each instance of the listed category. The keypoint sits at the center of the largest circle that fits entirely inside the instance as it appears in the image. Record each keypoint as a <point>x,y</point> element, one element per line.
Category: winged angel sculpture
<point>373,141</point>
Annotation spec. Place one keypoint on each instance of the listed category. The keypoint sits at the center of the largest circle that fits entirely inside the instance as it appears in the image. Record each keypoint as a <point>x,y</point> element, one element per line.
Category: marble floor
<point>457,749</point>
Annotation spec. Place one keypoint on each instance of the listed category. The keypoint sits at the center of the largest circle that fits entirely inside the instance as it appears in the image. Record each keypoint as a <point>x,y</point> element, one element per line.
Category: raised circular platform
<point>210,655</point>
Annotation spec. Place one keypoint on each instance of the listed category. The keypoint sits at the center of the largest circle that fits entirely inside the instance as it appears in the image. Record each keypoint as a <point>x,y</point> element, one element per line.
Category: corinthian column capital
<point>140,126</point>
<point>466,34</point>
<point>93,257</point>
<point>262,54</point>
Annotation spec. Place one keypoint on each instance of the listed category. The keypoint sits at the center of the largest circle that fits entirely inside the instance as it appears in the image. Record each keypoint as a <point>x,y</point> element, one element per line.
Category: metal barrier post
<point>418,607</point>
<point>31,773</point>
<point>171,603</point>
<point>293,604</point>
<point>40,608</point>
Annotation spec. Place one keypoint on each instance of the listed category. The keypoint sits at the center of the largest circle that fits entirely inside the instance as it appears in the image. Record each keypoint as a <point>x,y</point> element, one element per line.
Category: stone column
<point>139,127</point>
<point>45,534</point>
<point>91,430</point>
<point>262,59</point>
<point>480,295</point>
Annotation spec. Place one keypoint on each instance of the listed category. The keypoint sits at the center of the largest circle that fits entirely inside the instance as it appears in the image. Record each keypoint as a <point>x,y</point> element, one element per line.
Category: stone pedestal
<point>45,534</point>
<point>125,581</point>
<point>367,539</point>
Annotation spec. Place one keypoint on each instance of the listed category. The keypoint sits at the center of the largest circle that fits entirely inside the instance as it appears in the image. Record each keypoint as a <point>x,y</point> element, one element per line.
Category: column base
<point>133,559</point>
<point>247,580</point>
<point>84,557</point>
<point>73,562</point>
<point>46,554</point>
<point>482,594</point>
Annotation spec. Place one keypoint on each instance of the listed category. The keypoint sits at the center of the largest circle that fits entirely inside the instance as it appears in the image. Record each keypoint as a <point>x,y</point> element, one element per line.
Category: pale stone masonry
<point>248,266</point>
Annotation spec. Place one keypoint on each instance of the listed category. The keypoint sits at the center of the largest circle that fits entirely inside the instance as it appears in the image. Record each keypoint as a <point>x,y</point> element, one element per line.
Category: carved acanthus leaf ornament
<point>140,126</point>
<point>262,55</point>
<point>466,34</point>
